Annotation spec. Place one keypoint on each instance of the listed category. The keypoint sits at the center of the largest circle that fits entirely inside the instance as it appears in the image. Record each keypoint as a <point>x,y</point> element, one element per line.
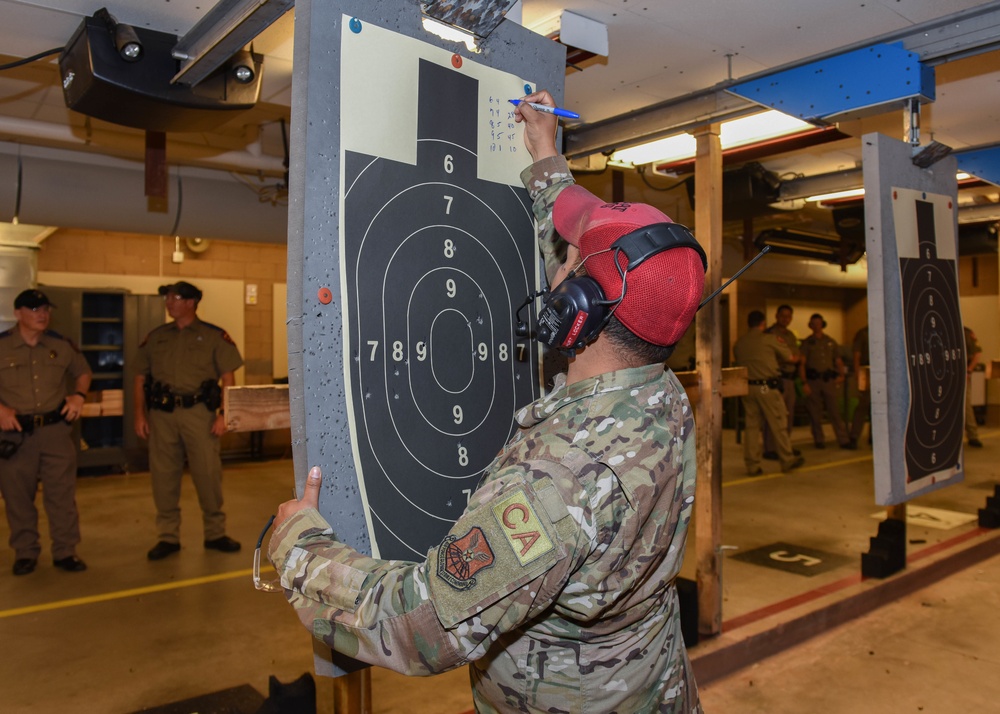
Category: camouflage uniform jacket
<point>557,583</point>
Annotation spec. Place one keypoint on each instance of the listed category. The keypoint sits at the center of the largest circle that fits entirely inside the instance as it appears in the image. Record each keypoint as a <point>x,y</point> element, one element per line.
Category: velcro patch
<point>523,530</point>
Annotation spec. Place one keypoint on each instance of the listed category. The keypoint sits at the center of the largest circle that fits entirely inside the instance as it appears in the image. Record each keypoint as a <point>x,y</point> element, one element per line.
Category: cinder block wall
<point>263,264</point>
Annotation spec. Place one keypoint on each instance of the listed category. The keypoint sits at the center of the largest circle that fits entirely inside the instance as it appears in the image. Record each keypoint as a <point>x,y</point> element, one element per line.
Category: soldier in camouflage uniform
<point>557,584</point>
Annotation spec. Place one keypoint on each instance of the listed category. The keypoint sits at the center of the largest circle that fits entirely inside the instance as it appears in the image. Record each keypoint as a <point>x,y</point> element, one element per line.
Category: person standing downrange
<point>35,411</point>
<point>179,367</point>
<point>822,371</point>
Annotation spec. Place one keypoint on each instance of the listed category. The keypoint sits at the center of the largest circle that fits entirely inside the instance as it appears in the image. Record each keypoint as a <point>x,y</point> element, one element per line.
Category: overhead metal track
<point>961,34</point>
<point>224,30</point>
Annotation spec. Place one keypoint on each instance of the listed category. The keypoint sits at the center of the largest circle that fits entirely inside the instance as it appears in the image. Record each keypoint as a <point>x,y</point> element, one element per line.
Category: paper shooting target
<point>435,262</point>
<point>935,344</point>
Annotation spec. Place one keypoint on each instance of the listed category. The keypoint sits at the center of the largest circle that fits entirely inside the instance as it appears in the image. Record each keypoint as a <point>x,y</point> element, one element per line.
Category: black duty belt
<point>774,383</point>
<point>186,401</point>
<point>30,422</point>
<point>825,376</point>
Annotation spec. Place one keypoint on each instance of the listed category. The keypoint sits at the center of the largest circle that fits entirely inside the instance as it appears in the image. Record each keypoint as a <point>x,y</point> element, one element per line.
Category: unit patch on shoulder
<point>522,528</point>
<point>463,558</point>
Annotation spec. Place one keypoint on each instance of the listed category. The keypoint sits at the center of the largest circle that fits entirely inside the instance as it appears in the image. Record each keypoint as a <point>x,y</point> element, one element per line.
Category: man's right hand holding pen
<point>539,127</point>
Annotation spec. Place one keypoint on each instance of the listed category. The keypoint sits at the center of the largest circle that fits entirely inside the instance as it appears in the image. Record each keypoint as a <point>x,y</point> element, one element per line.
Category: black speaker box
<point>98,82</point>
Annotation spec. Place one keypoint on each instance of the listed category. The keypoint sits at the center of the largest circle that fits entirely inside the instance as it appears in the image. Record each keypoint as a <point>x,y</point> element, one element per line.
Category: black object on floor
<point>298,697</point>
<point>243,699</point>
<point>989,517</point>
<point>887,552</point>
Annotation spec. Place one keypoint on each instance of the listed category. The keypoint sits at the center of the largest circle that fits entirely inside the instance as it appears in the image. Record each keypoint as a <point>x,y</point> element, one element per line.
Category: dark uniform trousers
<point>766,405</point>
<point>824,392</point>
<point>46,456</point>
<point>171,434</point>
<point>971,426</point>
<point>861,414</point>
<point>789,397</point>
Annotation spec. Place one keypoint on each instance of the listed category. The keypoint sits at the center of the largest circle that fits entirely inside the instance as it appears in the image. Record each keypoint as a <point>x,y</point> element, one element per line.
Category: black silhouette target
<point>436,262</point>
<point>935,353</point>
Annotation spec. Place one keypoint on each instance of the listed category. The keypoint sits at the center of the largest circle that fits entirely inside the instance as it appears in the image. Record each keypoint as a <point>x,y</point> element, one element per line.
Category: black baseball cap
<point>184,289</point>
<point>31,298</point>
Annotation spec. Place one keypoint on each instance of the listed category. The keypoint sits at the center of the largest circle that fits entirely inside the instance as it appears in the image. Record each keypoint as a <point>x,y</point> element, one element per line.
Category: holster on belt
<point>158,396</point>
<point>773,383</point>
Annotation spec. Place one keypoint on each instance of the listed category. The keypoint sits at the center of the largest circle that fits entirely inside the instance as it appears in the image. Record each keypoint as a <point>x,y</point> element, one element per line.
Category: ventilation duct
<point>70,189</point>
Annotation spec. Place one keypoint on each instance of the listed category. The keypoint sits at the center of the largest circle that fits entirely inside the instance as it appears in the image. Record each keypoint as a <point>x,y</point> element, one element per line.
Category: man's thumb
<point>313,480</point>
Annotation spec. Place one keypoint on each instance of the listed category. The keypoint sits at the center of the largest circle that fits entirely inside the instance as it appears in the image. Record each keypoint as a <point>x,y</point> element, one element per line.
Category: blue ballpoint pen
<point>565,113</point>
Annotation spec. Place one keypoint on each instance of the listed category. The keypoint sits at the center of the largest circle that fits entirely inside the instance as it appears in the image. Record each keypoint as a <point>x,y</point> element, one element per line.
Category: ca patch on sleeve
<point>522,528</point>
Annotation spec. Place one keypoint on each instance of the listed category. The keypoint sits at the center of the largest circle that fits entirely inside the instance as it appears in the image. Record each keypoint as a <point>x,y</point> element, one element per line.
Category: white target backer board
<point>916,337</point>
<point>436,253</point>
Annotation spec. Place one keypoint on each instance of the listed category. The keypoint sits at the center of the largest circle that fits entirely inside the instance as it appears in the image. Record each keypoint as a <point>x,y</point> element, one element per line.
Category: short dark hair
<point>632,349</point>
<point>756,318</point>
<point>784,307</point>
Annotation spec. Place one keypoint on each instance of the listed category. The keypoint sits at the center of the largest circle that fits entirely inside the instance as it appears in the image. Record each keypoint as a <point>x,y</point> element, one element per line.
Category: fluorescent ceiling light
<point>850,193</point>
<point>452,34</point>
<point>736,132</point>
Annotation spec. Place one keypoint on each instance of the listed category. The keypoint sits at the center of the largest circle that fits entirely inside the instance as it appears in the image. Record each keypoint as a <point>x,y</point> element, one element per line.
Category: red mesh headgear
<point>663,292</point>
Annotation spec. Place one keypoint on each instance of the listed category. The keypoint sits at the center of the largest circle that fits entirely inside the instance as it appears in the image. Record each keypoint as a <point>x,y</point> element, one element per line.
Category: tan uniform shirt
<point>184,359</point>
<point>821,353</point>
<point>33,379</point>
<point>791,340</point>
<point>762,354</point>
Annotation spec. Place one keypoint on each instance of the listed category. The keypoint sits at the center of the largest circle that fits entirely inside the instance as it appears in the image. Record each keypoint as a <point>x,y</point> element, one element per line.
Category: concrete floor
<point>129,634</point>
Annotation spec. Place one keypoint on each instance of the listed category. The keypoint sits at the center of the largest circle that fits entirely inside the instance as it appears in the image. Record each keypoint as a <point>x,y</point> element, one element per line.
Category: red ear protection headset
<point>575,312</point>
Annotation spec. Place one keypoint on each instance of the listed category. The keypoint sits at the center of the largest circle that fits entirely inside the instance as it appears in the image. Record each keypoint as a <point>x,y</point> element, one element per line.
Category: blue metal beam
<point>982,163</point>
<point>856,81</point>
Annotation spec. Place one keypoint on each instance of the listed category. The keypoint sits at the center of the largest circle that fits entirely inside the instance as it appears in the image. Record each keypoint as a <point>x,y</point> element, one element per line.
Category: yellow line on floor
<point>801,469</point>
<point>821,467</point>
<point>118,595</point>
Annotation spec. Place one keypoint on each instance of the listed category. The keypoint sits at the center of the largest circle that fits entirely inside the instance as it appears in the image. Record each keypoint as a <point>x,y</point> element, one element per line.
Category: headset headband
<point>647,241</point>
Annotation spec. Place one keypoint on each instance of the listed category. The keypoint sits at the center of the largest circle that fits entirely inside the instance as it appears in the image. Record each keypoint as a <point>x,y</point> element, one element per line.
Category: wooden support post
<point>352,692</point>
<point>733,383</point>
<point>708,414</point>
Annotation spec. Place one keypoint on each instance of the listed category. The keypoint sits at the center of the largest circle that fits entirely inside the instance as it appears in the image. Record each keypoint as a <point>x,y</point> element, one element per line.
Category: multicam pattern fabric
<point>584,514</point>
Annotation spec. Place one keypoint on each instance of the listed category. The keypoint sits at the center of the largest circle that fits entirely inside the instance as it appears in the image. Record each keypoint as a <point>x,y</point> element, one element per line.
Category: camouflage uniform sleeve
<point>503,562</point>
<point>545,180</point>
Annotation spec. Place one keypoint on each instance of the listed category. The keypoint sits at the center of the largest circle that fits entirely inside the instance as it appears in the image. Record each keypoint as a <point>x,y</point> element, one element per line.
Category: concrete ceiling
<point>659,51</point>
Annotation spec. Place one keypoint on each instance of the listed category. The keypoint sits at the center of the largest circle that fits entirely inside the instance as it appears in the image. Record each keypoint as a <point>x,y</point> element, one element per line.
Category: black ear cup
<point>572,314</point>
<point>521,330</point>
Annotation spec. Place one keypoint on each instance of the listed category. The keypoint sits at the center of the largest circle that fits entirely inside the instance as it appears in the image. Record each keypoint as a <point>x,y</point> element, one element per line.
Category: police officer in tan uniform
<point>822,370</point>
<point>972,352</point>
<point>789,371</point>
<point>861,412</point>
<point>764,355</point>
<point>36,445</point>
<point>177,396</point>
